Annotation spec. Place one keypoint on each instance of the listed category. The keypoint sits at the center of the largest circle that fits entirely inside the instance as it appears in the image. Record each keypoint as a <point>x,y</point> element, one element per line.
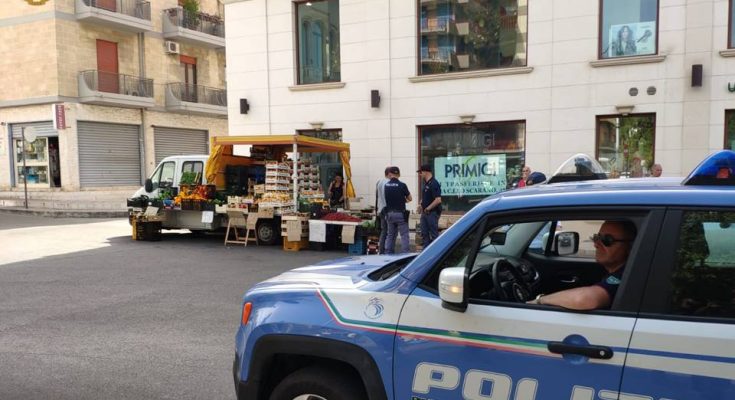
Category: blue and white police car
<point>455,321</point>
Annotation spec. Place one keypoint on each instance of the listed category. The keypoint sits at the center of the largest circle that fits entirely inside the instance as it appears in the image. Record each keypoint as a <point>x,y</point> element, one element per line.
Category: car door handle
<point>591,351</point>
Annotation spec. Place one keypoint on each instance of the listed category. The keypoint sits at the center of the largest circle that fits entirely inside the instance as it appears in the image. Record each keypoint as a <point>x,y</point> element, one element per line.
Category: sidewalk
<point>54,213</point>
<point>67,204</point>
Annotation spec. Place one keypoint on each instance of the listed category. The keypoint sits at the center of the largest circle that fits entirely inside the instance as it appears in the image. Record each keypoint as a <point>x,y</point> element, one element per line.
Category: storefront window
<point>730,130</point>
<point>625,144</point>
<point>473,161</point>
<point>318,41</point>
<point>36,162</point>
<point>629,28</point>
<point>461,35</point>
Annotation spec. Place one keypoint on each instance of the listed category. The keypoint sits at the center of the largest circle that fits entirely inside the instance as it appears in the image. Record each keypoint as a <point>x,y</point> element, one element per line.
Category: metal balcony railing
<point>200,22</point>
<point>118,83</point>
<point>198,94</point>
<point>134,8</point>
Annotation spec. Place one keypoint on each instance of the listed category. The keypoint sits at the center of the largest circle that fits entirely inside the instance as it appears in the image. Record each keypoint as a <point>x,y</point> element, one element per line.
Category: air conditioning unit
<point>172,47</point>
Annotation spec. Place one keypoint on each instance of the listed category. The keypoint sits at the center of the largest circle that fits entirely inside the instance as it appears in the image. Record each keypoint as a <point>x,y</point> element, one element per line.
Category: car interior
<point>516,262</point>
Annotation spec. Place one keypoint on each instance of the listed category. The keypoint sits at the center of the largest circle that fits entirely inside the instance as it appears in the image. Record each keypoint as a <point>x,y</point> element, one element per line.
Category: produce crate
<point>146,230</point>
<point>295,246</point>
<point>359,247</point>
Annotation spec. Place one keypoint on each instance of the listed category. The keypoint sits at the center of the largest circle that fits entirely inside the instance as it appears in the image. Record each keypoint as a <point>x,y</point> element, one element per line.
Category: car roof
<point>614,192</point>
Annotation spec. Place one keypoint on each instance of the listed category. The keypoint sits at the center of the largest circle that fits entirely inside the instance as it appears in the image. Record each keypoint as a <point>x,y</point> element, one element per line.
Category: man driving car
<point>612,247</point>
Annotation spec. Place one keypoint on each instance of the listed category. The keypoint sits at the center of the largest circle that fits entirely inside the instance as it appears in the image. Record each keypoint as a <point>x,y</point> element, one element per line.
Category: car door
<point>162,178</point>
<point>683,345</point>
<point>501,350</point>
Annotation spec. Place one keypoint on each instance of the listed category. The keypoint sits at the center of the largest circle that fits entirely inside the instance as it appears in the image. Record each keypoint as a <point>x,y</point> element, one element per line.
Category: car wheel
<point>266,233</point>
<point>318,383</point>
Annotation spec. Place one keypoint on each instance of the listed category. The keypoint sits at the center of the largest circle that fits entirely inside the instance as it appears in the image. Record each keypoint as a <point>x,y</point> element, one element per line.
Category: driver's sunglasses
<point>607,240</point>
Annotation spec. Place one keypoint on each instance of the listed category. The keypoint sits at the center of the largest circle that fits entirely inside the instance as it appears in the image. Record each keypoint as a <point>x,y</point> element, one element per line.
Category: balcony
<point>105,88</point>
<point>194,28</point>
<point>196,99</point>
<point>126,15</point>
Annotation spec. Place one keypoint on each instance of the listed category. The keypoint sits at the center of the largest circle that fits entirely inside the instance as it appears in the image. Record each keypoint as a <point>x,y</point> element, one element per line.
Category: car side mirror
<point>452,288</point>
<point>498,238</point>
<point>566,243</point>
<point>148,185</point>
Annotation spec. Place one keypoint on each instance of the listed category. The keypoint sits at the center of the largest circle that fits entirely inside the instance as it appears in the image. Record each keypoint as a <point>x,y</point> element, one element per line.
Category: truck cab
<point>169,171</point>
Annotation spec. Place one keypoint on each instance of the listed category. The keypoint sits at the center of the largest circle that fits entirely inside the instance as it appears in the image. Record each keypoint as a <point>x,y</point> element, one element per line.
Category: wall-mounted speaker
<point>374,99</point>
<point>244,106</point>
<point>697,75</point>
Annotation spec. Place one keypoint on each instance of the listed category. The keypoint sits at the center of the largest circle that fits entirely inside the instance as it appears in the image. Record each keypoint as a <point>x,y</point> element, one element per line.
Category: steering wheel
<point>513,287</point>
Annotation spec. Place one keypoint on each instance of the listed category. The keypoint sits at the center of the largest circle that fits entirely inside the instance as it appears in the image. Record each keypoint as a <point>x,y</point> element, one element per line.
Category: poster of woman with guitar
<point>632,39</point>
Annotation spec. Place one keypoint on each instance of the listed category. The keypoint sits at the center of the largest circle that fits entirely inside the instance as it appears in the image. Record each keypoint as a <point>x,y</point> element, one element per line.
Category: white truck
<point>167,176</point>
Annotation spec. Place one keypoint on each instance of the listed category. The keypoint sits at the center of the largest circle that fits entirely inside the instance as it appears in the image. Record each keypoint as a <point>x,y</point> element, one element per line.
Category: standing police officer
<point>396,197</point>
<point>431,205</point>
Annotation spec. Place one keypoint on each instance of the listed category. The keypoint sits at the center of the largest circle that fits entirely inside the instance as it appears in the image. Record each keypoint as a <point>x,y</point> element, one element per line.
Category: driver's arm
<point>582,298</point>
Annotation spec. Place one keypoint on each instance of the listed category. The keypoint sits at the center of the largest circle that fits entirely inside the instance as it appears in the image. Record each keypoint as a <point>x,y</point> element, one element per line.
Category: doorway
<point>189,72</point>
<point>107,67</point>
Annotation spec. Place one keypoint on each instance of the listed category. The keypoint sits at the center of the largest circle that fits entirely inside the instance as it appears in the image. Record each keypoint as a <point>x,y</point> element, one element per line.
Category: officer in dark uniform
<point>396,197</point>
<point>431,205</point>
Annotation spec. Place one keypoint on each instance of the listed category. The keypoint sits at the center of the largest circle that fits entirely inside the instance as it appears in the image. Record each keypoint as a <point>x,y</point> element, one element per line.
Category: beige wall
<point>68,143</point>
<point>50,67</point>
<point>28,62</point>
<point>17,8</point>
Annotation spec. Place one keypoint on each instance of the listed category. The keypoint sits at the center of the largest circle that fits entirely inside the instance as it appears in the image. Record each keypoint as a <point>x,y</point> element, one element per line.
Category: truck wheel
<point>266,233</point>
<point>318,383</point>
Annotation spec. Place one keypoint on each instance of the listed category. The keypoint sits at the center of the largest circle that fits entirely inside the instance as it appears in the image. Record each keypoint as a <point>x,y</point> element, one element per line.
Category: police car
<point>458,320</point>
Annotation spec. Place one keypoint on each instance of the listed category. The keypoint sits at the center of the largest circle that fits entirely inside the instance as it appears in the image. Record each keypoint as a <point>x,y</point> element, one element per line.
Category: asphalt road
<point>87,313</point>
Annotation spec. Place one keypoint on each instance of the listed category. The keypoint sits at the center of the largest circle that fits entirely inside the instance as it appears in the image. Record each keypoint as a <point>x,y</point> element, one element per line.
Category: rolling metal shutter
<point>109,154</point>
<point>176,142</point>
<point>42,129</point>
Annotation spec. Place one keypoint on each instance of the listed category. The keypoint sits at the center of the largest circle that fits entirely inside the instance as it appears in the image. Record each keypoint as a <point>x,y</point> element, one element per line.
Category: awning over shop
<point>221,148</point>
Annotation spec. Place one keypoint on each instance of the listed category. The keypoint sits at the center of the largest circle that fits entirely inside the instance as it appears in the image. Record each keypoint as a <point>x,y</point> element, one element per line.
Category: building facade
<point>478,88</point>
<point>96,92</point>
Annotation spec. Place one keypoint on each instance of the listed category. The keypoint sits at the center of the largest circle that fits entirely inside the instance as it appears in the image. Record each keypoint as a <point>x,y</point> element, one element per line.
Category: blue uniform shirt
<point>432,190</point>
<point>611,282</point>
<point>395,195</point>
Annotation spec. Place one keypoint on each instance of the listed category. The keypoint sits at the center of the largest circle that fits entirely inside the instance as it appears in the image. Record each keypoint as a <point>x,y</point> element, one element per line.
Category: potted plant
<point>191,13</point>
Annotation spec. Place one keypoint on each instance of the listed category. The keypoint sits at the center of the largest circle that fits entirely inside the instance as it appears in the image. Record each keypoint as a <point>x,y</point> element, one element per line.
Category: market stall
<point>290,186</point>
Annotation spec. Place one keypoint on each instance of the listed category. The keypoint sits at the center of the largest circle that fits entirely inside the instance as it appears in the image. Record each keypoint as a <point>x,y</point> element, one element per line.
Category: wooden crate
<point>295,246</point>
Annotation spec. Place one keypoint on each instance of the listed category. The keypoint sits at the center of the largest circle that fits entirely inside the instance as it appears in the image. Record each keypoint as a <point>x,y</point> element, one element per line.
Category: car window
<point>164,175</point>
<point>703,281</point>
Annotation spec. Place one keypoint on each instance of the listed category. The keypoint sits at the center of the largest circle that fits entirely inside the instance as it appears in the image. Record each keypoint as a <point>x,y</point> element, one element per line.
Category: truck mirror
<point>148,185</point>
<point>566,243</point>
<point>451,288</point>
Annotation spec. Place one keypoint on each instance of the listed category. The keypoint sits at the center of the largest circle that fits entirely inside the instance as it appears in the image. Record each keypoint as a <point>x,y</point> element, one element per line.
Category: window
<point>730,130</point>
<point>318,41</point>
<point>625,144</point>
<point>731,36</point>
<point>328,163</point>
<point>461,35</point>
<point>569,260</point>
<point>628,28</point>
<point>473,161</point>
<point>703,282</point>
<point>164,176</point>
<point>196,167</point>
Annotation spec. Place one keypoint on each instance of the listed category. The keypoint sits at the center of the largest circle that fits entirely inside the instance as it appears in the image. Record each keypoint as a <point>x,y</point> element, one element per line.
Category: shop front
<point>36,146</point>
<point>473,161</point>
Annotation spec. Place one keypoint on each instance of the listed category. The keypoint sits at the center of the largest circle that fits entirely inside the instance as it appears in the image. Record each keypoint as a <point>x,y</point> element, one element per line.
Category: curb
<point>65,213</point>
